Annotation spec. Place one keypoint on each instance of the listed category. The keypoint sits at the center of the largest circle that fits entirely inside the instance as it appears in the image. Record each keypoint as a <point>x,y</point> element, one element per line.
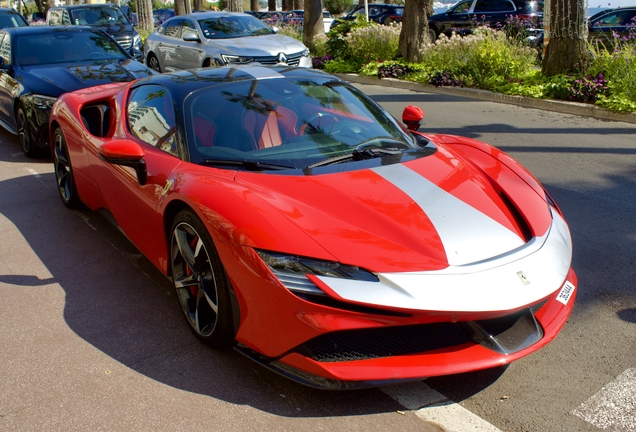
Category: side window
<point>188,27</point>
<point>65,18</point>
<point>173,28</point>
<point>462,7</point>
<point>614,19</point>
<point>5,49</point>
<point>151,117</point>
<point>494,6</point>
<point>55,17</point>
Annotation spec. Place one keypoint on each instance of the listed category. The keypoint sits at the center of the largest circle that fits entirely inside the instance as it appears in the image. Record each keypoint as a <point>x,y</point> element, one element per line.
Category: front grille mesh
<point>124,41</point>
<point>292,59</point>
<point>371,343</point>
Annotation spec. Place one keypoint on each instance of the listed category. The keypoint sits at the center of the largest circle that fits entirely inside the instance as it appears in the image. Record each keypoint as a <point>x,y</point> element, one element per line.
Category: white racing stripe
<point>614,406</point>
<point>434,407</point>
<point>467,234</point>
<point>262,72</point>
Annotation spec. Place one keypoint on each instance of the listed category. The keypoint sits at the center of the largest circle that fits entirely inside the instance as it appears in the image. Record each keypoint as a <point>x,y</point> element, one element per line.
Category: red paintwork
<point>355,218</point>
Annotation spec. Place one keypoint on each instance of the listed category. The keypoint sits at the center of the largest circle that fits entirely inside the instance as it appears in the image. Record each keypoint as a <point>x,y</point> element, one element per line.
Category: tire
<point>388,20</point>
<point>432,35</point>
<point>64,171</point>
<point>200,281</point>
<point>28,146</point>
<point>153,62</point>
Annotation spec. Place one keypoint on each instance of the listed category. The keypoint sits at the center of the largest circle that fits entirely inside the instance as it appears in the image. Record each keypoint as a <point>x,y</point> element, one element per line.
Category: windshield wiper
<point>357,155</point>
<point>251,165</point>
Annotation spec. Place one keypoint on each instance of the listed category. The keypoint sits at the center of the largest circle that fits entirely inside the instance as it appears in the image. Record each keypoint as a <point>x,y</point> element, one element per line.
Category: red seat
<point>271,129</point>
<point>204,130</point>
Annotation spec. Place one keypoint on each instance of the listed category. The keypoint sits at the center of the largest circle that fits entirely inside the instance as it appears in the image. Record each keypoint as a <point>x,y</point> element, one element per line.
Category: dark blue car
<point>39,63</point>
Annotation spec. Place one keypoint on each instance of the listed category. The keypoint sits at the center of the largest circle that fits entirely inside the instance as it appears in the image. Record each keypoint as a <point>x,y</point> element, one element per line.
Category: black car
<point>10,18</point>
<point>468,14</point>
<point>609,23</point>
<point>106,16</point>
<point>39,63</point>
<point>378,12</point>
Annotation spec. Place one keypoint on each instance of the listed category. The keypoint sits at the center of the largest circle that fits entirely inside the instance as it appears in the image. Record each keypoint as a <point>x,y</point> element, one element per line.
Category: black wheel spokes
<point>62,169</point>
<point>194,280</point>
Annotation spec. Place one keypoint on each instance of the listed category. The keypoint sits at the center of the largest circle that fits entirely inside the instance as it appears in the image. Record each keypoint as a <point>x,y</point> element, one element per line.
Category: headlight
<point>236,59</point>
<point>305,52</point>
<point>41,101</point>
<point>291,270</point>
<point>136,42</point>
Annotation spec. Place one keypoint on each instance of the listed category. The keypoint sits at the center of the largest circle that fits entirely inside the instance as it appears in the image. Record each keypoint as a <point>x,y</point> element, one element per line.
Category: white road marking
<point>434,407</point>
<point>34,172</point>
<point>614,406</point>
<point>16,154</point>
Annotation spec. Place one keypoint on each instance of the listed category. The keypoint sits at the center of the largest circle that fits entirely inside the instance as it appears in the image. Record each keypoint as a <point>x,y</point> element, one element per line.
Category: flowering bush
<point>587,89</point>
<point>375,42</point>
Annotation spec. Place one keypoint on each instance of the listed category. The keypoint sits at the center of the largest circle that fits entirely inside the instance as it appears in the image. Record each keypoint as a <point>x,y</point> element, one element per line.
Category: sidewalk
<point>575,108</point>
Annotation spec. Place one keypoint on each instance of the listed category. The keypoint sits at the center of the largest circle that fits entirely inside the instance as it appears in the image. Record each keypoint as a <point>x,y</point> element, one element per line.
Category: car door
<point>167,45</point>
<point>9,87</point>
<point>151,123</point>
<point>190,53</point>
<point>458,19</point>
<point>494,13</point>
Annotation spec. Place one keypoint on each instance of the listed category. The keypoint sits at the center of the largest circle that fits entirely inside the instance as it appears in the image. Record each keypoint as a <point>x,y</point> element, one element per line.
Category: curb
<point>575,108</point>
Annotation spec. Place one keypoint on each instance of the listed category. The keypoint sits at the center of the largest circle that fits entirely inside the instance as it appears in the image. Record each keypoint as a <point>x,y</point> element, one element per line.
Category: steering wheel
<point>320,117</point>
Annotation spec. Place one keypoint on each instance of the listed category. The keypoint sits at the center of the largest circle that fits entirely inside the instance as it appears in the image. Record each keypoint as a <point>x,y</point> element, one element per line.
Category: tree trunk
<point>179,7</point>
<point>145,20</point>
<point>287,5</point>
<point>312,23</point>
<point>271,5</point>
<point>234,5</point>
<point>414,28</point>
<point>298,4</point>
<point>254,5</point>
<point>198,5</point>
<point>566,36</point>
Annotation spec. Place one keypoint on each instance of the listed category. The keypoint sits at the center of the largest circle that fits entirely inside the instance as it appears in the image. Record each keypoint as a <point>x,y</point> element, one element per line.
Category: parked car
<point>106,16</point>
<point>10,18</point>
<point>606,25</point>
<point>37,17</point>
<point>219,38</point>
<point>303,225</point>
<point>39,63</point>
<point>161,15</point>
<point>468,14</point>
<point>378,12</point>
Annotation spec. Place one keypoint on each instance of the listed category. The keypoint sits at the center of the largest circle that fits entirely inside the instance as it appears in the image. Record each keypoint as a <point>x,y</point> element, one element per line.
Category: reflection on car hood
<point>421,215</point>
<point>266,45</point>
<point>53,80</point>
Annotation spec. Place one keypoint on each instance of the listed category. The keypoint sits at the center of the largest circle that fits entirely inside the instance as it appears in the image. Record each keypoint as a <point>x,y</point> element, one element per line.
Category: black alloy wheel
<point>153,62</point>
<point>28,147</point>
<point>200,281</point>
<point>64,171</point>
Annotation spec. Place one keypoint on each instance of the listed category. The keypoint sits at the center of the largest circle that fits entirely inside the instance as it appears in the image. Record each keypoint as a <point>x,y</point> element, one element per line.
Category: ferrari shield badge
<point>523,277</point>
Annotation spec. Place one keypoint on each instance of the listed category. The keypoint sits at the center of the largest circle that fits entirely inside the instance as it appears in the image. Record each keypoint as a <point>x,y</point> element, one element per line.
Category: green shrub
<point>336,7</point>
<point>375,42</point>
<point>336,44</point>
<point>342,66</point>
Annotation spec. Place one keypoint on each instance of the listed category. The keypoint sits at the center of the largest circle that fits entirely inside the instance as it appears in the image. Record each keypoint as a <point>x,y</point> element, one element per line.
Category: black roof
<point>85,5</point>
<point>43,29</point>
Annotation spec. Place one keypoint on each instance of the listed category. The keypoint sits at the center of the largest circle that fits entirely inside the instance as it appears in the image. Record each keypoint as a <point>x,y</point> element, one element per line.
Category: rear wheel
<point>432,35</point>
<point>28,146</point>
<point>153,62</point>
<point>64,171</point>
<point>200,281</point>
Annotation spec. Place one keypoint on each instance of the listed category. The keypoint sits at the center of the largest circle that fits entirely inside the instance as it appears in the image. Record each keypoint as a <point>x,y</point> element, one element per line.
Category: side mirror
<point>126,153</point>
<point>191,37</point>
<point>412,117</point>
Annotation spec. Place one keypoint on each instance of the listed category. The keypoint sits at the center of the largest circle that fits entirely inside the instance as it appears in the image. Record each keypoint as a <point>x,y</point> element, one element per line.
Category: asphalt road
<point>92,338</point>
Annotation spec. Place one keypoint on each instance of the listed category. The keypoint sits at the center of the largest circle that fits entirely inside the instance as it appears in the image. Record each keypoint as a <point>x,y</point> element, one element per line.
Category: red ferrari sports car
<point>306,227</point>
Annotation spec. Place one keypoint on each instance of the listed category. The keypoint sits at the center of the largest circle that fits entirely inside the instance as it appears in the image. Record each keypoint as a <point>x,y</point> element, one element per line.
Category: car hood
<point>116,30</point>
<point>266,45</point>
<point>425,214</point>
<point>53,80</point>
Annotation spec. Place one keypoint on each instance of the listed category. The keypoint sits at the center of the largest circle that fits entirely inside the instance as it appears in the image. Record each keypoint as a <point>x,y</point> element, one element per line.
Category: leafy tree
<point>565,34</point>
<point>234,6</point>
<point>414,28</point>
<point>145,20</point>
<point>254,5</point>
<point>336,7</point>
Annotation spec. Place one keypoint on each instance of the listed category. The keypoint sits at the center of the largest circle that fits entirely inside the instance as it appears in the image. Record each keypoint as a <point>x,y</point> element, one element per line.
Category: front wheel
<point>64,171</point>
<point>432,35</point>
<point>200,281</point>
<point>153,62</point>
<point>28,146</point>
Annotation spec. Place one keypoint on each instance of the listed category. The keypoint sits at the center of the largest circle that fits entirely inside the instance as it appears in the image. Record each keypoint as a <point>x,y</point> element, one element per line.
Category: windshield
<point>66,46</point>
<point>12,20</point>
<point>231,26</point>
<point>289,123</point>
<point>101,15</point>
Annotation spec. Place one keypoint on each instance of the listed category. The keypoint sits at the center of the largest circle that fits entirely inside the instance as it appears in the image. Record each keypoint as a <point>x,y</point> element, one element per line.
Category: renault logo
<point>282,58</point>
<point>523,277</point>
